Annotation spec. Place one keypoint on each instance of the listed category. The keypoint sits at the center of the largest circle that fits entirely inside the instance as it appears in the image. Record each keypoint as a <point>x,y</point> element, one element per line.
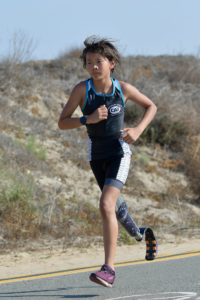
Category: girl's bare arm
<point>130,92</point>
<point>77,98</point>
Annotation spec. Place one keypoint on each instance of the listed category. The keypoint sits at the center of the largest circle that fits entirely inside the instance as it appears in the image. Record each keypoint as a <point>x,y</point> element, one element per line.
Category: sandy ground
<point>24,263</point>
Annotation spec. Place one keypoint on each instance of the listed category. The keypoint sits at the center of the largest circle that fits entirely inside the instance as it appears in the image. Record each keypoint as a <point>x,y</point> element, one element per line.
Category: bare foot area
<point>24,263</point>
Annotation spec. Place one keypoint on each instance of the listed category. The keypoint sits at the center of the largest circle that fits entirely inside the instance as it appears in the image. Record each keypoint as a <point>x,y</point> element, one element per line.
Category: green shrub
<point>17,209</point>
<point>125,237</point>
<point>162,130</point>
<point>36,148</point>
<point>165,131</point>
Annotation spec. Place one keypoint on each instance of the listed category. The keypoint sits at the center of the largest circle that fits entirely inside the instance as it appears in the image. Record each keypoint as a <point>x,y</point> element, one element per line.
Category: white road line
<point>166,295</point>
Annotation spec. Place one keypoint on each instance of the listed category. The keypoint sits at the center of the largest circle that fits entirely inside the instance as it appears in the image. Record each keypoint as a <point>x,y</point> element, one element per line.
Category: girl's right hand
<point>98,115</point>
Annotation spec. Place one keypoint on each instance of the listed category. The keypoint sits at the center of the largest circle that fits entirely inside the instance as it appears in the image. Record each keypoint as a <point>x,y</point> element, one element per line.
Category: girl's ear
<point>112,64</point>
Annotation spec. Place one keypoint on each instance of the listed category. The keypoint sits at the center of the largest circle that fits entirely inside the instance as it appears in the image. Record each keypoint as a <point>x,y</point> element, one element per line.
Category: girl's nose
<point>94,67</point>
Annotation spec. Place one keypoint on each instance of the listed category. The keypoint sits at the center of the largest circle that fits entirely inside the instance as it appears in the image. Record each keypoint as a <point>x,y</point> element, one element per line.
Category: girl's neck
<point>104,86</point>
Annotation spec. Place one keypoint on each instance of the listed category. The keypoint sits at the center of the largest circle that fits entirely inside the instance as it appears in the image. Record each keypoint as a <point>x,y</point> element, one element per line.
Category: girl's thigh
<point>99,172</point>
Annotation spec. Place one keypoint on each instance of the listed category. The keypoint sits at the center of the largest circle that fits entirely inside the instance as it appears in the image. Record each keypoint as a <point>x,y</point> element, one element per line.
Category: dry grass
<point>18,209</point>
<point>35,111</point>
<point>25,216</point>
<point>11,65</point>
<point>71,52</point>
<point>173,83</point>
<point>192,162</point>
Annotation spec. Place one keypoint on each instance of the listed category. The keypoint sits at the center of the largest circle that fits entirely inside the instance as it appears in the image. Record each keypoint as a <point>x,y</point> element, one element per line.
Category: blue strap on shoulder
<point>120,92</point>
<point>86,96</point>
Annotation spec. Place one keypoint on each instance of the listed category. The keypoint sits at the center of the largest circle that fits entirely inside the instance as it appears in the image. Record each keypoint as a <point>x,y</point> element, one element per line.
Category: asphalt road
<point>172,277</point>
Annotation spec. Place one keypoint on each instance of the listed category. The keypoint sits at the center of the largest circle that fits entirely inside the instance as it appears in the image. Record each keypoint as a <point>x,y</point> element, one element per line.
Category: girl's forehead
<point>94,55</point>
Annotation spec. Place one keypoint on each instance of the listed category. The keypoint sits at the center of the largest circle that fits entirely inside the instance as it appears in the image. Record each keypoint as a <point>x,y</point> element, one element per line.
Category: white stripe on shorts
<point>124,168</point>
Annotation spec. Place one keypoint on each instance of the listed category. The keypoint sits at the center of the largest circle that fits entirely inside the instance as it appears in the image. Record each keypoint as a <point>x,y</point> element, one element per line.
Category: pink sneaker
<point>105,276</point>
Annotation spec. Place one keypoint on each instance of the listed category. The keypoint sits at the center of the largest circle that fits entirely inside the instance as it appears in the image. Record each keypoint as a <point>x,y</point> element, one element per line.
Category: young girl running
<point>102,100</point>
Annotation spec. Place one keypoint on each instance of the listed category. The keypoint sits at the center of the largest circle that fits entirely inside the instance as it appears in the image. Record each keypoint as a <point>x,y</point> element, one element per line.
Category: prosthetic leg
<point>125,219</point>
<point>129,225</point>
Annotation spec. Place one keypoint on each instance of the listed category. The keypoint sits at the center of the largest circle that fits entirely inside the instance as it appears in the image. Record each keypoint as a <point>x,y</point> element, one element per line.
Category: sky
<point>141,27</point>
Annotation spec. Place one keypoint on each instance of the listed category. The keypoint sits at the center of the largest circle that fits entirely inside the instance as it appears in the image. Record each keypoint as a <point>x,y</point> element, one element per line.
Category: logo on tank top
<point>115,109</point>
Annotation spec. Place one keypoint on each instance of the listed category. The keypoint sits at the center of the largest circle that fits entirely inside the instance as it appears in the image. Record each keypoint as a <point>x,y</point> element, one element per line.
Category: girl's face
<point>98,67</point>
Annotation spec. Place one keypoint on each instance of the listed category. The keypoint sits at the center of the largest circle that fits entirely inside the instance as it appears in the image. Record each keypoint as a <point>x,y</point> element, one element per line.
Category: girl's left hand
<point>130,135</point>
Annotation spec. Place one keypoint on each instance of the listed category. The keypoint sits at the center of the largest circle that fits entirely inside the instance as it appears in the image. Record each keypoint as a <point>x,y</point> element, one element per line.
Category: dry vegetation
<point>46,189</point>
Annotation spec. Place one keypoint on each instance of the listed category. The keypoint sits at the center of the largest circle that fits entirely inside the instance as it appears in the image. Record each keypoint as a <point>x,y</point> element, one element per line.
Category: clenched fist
<point>130,135</point>
<point>98,115</point>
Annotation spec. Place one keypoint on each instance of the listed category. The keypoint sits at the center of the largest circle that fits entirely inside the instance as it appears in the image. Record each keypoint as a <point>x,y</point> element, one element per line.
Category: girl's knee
<point>107,207</point>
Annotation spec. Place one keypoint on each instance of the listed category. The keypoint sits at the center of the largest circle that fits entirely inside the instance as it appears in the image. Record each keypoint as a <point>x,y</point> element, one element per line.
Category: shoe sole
<point>150,238</point>
<point>151,243</point>
<point>99,280</point>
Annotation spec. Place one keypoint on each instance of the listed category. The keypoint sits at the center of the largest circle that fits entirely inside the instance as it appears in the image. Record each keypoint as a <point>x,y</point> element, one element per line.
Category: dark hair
<point>103,46</point>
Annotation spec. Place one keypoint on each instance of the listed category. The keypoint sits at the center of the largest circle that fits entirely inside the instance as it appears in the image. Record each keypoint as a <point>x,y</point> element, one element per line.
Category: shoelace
<point>104,269</point>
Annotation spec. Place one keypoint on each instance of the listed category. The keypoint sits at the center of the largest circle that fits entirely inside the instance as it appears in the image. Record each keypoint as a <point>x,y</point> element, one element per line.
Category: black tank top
<point>104,136</point>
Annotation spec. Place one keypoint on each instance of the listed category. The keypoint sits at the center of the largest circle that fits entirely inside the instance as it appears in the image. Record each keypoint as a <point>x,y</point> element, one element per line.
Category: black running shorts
<point>111,171</point>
